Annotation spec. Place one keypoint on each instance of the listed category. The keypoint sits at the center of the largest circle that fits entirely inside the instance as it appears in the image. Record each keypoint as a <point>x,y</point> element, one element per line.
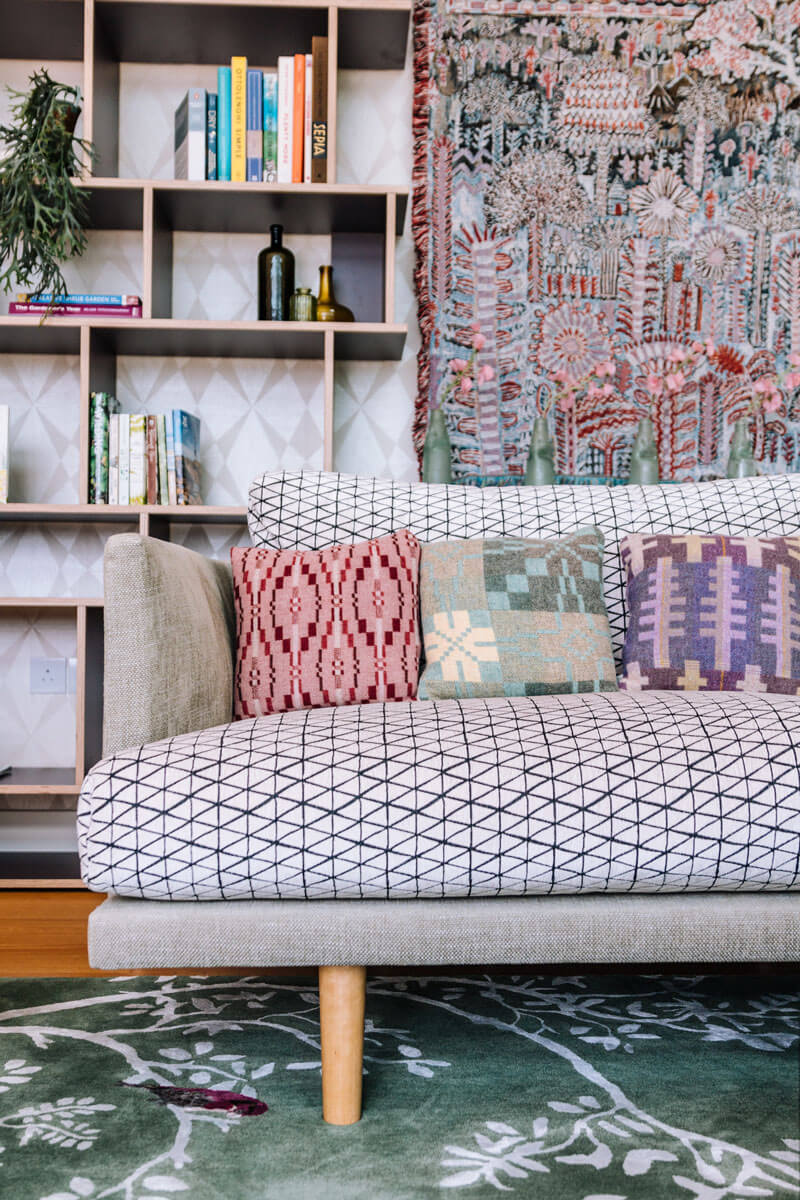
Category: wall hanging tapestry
<point>607,225</point>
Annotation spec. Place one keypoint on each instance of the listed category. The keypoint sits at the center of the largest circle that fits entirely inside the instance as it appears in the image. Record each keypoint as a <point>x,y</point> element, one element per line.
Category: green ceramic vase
<point>644,454</point>
<point>540,468</point>
<point>740,460</point>
<point>437,455</point>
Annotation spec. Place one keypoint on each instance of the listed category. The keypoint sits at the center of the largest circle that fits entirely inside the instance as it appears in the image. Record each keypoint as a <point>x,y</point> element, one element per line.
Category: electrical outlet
<point>48,675</point>
<point>72,676</point>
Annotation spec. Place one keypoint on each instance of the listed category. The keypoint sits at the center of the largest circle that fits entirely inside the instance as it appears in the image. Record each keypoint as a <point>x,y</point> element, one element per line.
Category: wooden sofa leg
<point>341,1010</point>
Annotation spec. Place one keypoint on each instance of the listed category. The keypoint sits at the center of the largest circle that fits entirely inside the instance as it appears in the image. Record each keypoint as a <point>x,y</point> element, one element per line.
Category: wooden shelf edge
<point>123,514</point>
<point>51,601</point>
<point>43,884</point>
<point>120,182</point>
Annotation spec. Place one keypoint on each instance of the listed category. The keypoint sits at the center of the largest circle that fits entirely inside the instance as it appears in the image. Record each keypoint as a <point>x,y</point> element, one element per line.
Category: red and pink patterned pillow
<point>326,627</point>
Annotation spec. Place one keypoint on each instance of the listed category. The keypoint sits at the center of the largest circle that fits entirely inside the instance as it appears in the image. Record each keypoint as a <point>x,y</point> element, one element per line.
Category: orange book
<point>298,117</point>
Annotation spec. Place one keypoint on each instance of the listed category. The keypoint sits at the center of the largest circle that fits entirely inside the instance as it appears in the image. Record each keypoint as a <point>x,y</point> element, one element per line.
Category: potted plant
<point>43,213</point>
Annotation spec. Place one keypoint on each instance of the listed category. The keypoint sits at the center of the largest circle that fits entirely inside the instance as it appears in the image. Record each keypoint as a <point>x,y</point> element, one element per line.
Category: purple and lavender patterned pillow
<point>712,613</point>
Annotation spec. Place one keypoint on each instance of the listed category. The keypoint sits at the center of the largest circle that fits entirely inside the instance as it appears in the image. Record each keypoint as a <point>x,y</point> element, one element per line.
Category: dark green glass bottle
<point>275,278</point>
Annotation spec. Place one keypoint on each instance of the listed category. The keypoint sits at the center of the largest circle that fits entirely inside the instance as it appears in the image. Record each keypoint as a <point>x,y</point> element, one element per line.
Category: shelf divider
<point>333,90</point>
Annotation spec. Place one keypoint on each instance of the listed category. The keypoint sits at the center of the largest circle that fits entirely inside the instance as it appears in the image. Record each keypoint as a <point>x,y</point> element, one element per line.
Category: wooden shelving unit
<point>362,222</point>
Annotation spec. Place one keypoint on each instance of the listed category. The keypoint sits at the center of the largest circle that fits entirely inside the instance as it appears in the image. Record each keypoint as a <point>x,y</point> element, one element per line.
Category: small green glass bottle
<point>303,306</point>
<point>275,278</point>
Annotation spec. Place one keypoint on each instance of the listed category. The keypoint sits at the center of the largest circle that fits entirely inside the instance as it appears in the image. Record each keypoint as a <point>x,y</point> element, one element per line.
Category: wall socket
<point>48,675</point>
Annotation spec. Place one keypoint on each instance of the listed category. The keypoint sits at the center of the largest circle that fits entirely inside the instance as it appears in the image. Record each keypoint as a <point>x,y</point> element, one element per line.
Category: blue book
<point>211,135</point>
<point>254,126</point>
<point>270,126</point>
<point>224,123</point>
<point>94,298</point>
<point>186,436</point>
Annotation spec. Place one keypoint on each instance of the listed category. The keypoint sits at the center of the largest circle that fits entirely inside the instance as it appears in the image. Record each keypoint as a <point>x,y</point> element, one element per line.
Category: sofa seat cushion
<point>594,792</point>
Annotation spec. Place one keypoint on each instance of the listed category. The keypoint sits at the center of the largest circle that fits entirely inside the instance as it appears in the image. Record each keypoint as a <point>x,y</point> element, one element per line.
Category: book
<point>101,405</point>
<point>319,110</point>
<point>190,135</point>
<point>124,458</point>
<point>307,120</point>
<point>138,459</point>
<point>186,431</point>
<point>104,299</point>
<point>172,484</point>
<point>285,117</point>
<point>298,105</point>
<point>238,119</point>
<point>113,459</point>
<point>117,311</point>
<point>224,123</point>
<point>211,135</point>
<point>270,147</point>
<point>4,452</point>
<point>254,137</point>
<point>152,460</point>
<point>161,441</point>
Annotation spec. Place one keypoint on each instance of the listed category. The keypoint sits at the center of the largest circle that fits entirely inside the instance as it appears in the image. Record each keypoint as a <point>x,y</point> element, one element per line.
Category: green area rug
<point>570,1088</point>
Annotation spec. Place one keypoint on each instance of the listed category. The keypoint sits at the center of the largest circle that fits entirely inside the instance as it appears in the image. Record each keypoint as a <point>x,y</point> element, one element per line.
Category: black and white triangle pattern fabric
<point>313,509</point>
<point>609,792</point>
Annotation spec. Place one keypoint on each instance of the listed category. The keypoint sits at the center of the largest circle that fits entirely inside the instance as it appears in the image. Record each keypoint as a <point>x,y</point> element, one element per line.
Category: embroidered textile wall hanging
<point>608,182</point>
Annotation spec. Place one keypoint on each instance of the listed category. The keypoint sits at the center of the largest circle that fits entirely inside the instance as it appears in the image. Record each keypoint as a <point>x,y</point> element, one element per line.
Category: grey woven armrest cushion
<point>169,641</point>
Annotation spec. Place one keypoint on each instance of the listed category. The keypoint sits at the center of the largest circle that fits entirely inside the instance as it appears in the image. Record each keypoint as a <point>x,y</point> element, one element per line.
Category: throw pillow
<point>326,627</point>
<point>515,617</point>
<point>712,613</point>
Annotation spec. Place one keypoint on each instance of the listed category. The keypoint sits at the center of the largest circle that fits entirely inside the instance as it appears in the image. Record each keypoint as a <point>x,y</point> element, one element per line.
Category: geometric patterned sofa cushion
<point>332,626</point>
<point>597,792</point>
<point>312,509</point>
<point>712,613</point>
<point>515,617</point>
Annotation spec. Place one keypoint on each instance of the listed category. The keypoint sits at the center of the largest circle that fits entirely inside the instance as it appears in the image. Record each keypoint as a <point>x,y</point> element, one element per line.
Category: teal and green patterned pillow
<point>515,617</point>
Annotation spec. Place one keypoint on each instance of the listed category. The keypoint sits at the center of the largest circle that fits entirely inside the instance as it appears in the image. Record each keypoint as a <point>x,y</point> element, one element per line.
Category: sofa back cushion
<point>314,509</point>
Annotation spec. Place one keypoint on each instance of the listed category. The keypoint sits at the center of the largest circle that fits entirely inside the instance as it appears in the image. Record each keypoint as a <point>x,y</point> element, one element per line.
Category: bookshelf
<point>101,37</point>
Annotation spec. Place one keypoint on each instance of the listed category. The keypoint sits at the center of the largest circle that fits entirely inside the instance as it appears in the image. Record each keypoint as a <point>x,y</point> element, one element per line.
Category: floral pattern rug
<point>576,1088</point>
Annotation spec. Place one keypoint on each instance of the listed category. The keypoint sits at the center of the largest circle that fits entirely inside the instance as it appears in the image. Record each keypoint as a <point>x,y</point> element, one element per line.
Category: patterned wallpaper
<point>255,414</point>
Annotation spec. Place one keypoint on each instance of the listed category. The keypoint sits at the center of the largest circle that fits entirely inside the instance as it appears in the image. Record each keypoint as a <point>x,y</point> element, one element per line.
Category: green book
<point>101,405</point>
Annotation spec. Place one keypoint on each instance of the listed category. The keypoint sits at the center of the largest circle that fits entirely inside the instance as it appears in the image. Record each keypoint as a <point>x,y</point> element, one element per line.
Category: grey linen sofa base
<point>686,928</point>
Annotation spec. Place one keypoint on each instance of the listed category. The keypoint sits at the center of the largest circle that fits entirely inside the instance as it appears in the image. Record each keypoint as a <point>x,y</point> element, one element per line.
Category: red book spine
<point>75,310</point>
<point>298,117</point>
<point>152,460</point>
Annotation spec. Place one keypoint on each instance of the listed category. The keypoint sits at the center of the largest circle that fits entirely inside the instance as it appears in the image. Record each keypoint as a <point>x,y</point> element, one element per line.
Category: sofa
<point>627,827</point>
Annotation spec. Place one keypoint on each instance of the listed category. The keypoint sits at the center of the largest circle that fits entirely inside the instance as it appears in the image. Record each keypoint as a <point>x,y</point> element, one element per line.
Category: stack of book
<point>258,125</point>
<point>75,304</point>
<point>138,458</point>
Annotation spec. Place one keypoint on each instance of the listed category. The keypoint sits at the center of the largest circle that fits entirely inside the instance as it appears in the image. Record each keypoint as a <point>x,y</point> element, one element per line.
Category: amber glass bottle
<point>275,278</point>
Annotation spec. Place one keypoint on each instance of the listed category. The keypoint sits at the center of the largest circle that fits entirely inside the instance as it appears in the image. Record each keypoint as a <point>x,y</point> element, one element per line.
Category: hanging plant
<point>43,214</point>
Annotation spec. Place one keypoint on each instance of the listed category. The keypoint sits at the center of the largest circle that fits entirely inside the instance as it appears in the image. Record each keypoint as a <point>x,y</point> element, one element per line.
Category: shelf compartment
<point>371,37</point>
<point>25,869</point>
<point>39,781</point>
<point>42,29</point>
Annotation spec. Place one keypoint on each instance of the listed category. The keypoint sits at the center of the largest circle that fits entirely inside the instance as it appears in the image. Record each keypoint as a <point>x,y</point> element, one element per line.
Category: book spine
<point>270,148</point>
<point>181,140</point>
<point>238,119</point>
<point>197,134</point>
<point>224,123</point>
<point>172,487</point>
<point>152,460</point>
<point>178,446</point>
<point>138,464</point>
<point>308,79</point>
<point>16,309</point>
<point>319,110</point>
<point>255,126</point>
<point>99,409</point>
<point>161,441</point>
<point>124,458</point>
<point>211,135</point>
<point>4,452</point>
<point>113,458</point>
<point>297,117</point>
<point>285,118</point>
<point>190,464</point>
<point>45,299</point>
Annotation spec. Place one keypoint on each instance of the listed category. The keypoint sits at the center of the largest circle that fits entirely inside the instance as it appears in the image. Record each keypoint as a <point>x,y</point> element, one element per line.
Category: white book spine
<point>285,117</point>
<point>138,459</point>
<point>196,140</point>
<point>124,458</point>
<point>113,458</point>
<point>307,122</point>
<point>4,450</point>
